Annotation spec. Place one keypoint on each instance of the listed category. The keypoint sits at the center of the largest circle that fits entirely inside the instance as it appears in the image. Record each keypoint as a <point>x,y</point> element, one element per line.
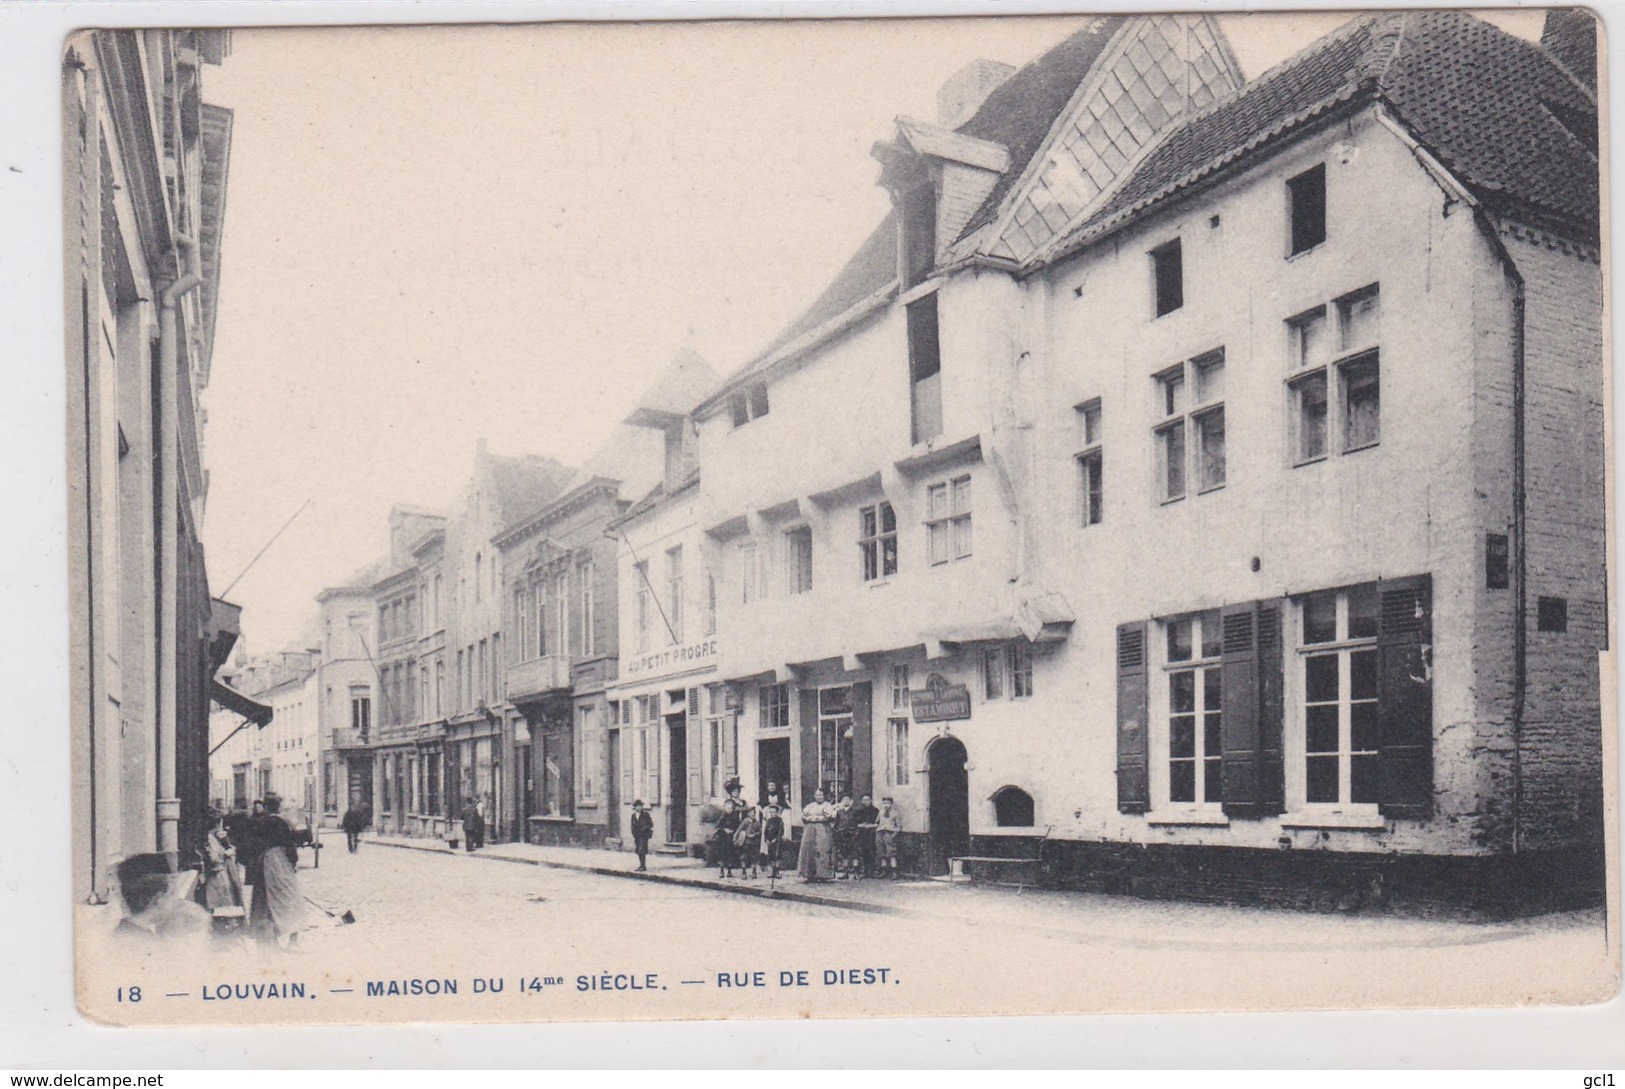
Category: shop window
<point>1168,277</point>
<point>835,740</point>
<point>1013,808</point>
<point>1091,492</point>
<point>1306,199</point>
<point>877,541</point>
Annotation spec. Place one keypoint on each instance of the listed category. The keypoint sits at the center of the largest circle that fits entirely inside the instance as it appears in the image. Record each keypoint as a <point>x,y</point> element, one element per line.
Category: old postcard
<point>1093,513</point>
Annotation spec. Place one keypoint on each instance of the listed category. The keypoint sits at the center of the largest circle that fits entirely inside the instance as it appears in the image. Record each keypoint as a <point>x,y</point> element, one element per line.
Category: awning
<point>234,701</point>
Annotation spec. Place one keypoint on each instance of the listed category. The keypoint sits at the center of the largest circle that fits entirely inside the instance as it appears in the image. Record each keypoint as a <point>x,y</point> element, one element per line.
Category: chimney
<point>1570,35</point>
<point>963,93</point>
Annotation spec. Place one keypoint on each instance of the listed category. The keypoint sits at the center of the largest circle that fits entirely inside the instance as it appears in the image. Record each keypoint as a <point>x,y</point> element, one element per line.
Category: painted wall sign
<point>940,701</point>
<point>678,659</point>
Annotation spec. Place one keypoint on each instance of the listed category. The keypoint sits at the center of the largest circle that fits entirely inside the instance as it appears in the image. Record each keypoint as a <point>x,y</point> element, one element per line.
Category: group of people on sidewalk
<point>257,849</point>
<point>839,841</point>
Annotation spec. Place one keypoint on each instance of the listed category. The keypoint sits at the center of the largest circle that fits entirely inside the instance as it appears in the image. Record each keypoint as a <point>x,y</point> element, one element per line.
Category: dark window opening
<point>925,368</point>
<point>1496,566</point>
<point>749,404</point>
<point>919,233</point>
<point>1013,808</point>
<point>1552,614</point>
<point>1168,269</point>
<point>1307,195</point>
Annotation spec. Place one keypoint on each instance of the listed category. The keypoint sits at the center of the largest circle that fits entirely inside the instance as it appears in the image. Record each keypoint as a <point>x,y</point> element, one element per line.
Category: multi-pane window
<point>1306,200</point>
<point>877,541</point>
<point>948,514</point>
<point>710,617</point>
<point>1021,669</point>
<point>586,753</point>
<point>1091,503</point>
<point>1195,709</point>
<point>1168,277</point>
<point>1189,431</point>
<point>993,673</point>
<point>752,578</point>
<point>900,700</point>
<point>360,712</point>
<point>1340,696</point>
<point>897,751</point>
<point>798,565</point>
<point>561,610</point>
<point>674,593</point>
<point>773,705</point>
<point>1334,377</point>
<point>588,594</point>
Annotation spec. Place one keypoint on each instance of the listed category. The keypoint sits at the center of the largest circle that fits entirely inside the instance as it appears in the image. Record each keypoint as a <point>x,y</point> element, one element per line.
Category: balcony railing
<point>539,677</point>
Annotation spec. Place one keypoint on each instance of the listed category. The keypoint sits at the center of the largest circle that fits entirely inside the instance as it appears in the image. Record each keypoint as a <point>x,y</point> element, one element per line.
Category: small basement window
<point>1013,808</point>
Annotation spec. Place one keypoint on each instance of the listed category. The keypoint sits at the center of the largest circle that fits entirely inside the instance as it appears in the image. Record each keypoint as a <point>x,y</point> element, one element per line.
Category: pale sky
<point>434,235</point>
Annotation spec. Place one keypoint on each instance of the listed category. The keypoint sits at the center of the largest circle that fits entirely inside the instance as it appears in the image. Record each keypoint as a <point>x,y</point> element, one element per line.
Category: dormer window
<point>749,403</point>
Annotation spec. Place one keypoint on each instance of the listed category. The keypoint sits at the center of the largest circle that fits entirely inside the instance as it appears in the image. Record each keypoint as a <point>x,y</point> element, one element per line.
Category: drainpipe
<point>168,721</point>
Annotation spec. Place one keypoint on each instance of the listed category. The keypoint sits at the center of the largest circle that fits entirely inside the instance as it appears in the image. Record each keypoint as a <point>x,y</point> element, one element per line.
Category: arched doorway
<point>949,799</point>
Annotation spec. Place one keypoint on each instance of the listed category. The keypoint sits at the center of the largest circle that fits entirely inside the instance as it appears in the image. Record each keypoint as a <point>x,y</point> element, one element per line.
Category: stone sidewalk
<point>1084,917</point>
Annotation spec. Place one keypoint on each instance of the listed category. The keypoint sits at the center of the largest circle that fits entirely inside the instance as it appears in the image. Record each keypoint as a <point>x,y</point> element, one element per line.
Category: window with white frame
<point>1189,430</point>
<point>1021,669</point>
<point>1007,669</point>
<point>993,673</point>
<point>587,749</point>
<point>674,593</point>
<point>798,560</point>
<point>710,618</point>
<point>644,604</point>
<point>1339,697</point>
<point>750,574</point>
<point>900,700</point>
<point>1091,495</point>
<point>948,519</point>
<point>585,580</point>
<point>773,706</point>
<point>877,541</point>
<point>835,739</point>
<point>1334,377</point>
<point>897,750</point>
<point>1194,709</point>
<point>561,609</point>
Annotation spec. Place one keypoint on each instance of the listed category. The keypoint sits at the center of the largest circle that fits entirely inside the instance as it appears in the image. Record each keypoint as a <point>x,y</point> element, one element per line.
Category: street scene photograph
<point>847,518</point>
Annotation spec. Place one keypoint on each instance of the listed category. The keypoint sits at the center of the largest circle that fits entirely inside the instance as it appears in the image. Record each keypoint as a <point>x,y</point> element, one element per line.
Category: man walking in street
<point>353,822</point>
<point>643,828</point>
<point>473,827</point>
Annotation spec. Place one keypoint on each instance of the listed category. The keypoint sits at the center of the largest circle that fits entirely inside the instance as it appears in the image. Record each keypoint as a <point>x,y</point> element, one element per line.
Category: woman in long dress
<point>222,880</point>
<point>817,861</point>
<point>278,909</point>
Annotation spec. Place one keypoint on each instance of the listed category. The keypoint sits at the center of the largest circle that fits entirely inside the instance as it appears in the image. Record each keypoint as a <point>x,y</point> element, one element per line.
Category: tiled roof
<point>1485,103</point>
<point>1020,112</point>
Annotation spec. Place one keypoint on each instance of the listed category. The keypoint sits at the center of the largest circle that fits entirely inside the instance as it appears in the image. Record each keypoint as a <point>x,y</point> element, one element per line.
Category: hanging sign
<point>940,701</point>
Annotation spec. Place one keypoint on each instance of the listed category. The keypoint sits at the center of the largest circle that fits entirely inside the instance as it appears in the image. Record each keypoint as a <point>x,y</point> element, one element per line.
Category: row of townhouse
<point>269,743</point>
<point>1196,482</point>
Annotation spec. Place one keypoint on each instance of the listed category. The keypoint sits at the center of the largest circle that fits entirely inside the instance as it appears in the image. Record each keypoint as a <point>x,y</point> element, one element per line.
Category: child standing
<point>773,839</point>
<point>745,841</point>
<point>643,828</point>
<point>887,825</point>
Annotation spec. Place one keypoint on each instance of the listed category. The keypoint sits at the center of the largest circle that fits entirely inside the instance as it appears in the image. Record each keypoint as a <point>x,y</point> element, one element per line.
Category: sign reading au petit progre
<point>940,701</point>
